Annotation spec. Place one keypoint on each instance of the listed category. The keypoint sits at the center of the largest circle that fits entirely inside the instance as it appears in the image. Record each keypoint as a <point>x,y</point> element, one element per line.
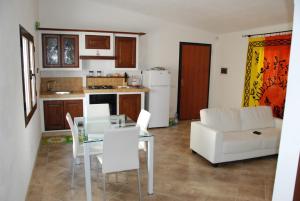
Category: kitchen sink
<point>62,92</point>
<point>124,87</point>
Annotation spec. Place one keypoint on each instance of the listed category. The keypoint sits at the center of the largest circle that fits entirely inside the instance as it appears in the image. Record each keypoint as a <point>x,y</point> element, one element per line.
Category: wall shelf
<point>89,30</point>
<point>97,57</point>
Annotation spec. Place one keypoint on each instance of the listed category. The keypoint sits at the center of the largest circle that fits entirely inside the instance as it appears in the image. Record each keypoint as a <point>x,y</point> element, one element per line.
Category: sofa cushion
<point>270,138</point>
<point>245,141</point>
<point>221,119</point>
<point>256,117</point>
<point>240,142</point>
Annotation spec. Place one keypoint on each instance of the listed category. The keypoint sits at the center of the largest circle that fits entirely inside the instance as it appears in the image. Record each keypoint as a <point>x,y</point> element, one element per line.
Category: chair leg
<point>47,159</point>
<point>104,187</point>
<point>91,164</point>
<point>98,172</point>
<point>139,184</point>
<point>73,172</point>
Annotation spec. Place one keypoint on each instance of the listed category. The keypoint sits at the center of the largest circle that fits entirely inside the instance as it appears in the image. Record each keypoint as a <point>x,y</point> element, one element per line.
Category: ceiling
<point>218,16</point>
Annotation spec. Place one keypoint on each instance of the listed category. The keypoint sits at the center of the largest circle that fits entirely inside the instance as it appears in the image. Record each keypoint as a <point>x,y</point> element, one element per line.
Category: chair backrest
<point>120,149</point>
<point>74,132</point>
<point>97,110</point>
<point>143,119</point>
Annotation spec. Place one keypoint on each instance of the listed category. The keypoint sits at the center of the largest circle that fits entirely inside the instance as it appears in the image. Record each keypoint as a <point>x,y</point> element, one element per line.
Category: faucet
<point>50,85</point>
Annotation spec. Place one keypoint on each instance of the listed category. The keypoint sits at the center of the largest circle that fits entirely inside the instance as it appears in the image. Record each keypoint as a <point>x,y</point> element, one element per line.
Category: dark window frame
<point>31,75</point>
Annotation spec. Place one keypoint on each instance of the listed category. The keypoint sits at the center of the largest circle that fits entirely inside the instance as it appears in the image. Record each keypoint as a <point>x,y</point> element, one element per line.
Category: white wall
<point>290,138</point>
<point>231,52</point>
<point>159,47</point>
<point>18,145</point>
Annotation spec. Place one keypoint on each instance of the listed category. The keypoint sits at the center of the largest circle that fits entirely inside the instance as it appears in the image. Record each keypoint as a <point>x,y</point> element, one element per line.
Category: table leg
<point>150,165</point>
<point>87,172</point>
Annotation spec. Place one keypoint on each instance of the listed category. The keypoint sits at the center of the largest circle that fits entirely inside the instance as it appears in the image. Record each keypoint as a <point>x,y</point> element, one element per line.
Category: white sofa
<point>225,135</point>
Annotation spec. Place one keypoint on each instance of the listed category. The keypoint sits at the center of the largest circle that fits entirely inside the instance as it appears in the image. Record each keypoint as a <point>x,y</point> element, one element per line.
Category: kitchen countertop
<point>80,94</point>
<point>73,94</point>
<point>125,89</point>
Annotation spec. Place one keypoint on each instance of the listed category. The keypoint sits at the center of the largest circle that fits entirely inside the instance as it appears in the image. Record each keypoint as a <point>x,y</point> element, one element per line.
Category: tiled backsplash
<point>61,83</point>
<point>114,81</point>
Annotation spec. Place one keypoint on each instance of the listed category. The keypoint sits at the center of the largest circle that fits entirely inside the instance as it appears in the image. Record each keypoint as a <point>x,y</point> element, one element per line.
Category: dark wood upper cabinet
<point>125,52</point>
<point>97,42</point>
<point>51,50</point>
<point>60,51</point>
<point>75,108</point>
<point>70,50</point>
<point>54,115</point>
<point>130,105</point>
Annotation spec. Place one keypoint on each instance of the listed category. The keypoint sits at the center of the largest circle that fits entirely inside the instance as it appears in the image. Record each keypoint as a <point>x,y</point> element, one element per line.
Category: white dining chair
<point>143,122</point>
<point>78,148</point>
<point>120,153</point>
<point>97,110</point>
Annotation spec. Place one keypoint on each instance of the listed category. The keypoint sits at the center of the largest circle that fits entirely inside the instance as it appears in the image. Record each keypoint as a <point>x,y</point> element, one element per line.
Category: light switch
<point>224,70</point>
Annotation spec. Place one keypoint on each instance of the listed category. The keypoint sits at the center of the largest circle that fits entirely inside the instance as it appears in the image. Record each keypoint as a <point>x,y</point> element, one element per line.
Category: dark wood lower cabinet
<point>74,107</point>
<point>55,113</point>
<point>130,105</point>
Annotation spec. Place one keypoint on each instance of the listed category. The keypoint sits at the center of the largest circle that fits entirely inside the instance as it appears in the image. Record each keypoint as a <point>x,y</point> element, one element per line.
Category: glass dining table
<point>91,130</point>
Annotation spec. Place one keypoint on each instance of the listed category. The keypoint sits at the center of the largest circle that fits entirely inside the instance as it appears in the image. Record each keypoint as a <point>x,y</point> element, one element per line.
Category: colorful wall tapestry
<point>266,72</point>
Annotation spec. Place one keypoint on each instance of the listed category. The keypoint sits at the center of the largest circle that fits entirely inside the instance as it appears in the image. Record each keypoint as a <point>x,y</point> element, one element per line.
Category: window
<point>28,74</point>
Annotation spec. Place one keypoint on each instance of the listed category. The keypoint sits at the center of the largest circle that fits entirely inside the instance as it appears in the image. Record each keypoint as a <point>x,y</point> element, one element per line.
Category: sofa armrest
<point>206,141</point>
<point>278,123</point>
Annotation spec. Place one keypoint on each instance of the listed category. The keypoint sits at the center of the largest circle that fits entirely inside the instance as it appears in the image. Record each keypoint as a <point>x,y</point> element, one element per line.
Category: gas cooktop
<point>101,87</point>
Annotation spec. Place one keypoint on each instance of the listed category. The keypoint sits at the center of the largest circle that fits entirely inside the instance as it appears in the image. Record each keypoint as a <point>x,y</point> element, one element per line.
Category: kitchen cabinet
<point>60,51</point>
<point>54,115</point>
<point>97,42</point>
<point>74,107</point>
<point>55,112</point>
<point>70,50</point>
<point>95,45</point>
<point>130,105</point>
<point>125,52</point>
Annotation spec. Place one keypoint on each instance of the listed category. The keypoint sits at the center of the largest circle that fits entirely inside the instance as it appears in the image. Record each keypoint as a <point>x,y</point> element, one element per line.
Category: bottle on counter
<point>91,73</point>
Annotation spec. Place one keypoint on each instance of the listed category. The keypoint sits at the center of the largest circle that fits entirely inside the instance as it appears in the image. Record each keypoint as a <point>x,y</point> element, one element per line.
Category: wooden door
<point>51,50</point>
<point>125,52</point>
<point>75,108</point>
<point>297,184</point>
<point>130,105</point>
<point>193,81</point>
<point>54,115</point>
<point>70,51</point>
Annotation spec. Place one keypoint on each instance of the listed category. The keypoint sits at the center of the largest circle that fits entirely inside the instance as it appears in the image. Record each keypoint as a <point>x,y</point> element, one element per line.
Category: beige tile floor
<point>180,175</point>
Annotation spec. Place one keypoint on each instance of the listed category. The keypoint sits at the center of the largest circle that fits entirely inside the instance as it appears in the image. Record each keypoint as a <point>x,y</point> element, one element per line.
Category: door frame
<point>180,71</point>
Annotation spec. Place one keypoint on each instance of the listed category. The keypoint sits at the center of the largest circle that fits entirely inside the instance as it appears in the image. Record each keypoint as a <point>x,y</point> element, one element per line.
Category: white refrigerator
<point>158,98</point>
